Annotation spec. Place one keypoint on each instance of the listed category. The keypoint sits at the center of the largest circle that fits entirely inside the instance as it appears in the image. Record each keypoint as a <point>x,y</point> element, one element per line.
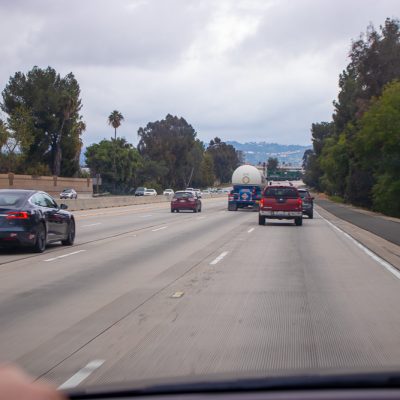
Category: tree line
<point>356,155</point>
<point>168,155</point>
<point>41,134</point>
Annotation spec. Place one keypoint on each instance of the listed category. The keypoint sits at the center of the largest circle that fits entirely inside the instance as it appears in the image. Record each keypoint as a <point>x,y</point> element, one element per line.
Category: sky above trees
<point>238,69</point>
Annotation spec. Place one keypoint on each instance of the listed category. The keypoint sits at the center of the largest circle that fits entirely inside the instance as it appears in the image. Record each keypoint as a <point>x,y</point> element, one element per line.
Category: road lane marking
<point>367,251</point>
<point>145,216</point>
<point>219,258</point>
<point>97,223</point>
<point>177,295</point>
<point>81,375</point>
<point>250,230</point>
<point>158,229</point>
<point>65,255</point>
<point>200,217</point>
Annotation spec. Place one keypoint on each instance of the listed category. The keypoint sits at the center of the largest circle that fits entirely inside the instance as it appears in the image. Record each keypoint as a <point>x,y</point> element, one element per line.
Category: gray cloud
<point>239,69</point>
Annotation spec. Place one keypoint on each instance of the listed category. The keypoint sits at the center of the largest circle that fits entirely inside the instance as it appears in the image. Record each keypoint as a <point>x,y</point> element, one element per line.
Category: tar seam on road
<point>250,230</point>
<point>65,255</point>
<point>158,229</point>
<point>367,251</point>
<point>95,224</point>
<point>219,258</point>
<point>81,375</point>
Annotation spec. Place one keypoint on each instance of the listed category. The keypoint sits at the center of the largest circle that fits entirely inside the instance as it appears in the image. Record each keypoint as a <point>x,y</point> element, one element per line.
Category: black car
<point>140,191</point>
<point>33,218</point>
<point>308,202</point>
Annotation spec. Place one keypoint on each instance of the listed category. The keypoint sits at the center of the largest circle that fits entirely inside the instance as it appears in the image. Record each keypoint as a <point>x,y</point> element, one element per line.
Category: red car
<point>183,200</point>
<point>281,202</point>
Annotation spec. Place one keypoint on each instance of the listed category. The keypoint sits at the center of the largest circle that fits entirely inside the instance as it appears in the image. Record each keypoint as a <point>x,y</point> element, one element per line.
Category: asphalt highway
<point>146,294</point>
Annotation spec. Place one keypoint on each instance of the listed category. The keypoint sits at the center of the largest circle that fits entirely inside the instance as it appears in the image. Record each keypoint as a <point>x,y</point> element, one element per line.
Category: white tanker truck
<point>248,183</point>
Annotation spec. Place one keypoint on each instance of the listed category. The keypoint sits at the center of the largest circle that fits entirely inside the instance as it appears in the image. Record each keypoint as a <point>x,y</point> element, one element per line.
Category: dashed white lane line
<point>219,258</point>
<point>367,251</point>
<point>146,216</point>
<point>65,255</point>
<point>81,375</point>
<point>250,230</point>
<point>158,229</point>
<point>97,223</point>
<point>200,217</point>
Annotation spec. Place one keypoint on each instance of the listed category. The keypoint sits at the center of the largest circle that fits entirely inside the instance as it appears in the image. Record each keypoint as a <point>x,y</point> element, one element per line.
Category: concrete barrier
<point>118,201</point>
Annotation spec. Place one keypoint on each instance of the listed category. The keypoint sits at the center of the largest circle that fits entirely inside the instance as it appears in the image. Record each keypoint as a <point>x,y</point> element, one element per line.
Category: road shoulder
<point>388,251</point>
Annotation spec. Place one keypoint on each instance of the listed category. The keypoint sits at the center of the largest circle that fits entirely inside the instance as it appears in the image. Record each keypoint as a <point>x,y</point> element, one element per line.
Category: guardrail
<point>118,201</point>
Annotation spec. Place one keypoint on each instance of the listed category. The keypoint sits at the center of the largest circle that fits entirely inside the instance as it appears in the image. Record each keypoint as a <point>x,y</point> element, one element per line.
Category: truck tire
<point>261,220</point>
<point>232,207</point>
<point>298,221</point>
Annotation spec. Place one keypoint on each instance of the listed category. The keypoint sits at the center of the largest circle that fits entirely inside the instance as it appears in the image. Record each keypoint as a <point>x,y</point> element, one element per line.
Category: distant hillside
<point>255,152</point>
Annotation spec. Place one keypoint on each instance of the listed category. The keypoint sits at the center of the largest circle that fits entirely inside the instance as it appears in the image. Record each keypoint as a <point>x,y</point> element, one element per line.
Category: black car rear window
<point>303,193</point>
<point>182,195</point>
<point>12,199</point>
<point>288,193</point>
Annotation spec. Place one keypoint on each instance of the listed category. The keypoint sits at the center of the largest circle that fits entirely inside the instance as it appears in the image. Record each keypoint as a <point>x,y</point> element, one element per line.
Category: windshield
<point>265,241</point>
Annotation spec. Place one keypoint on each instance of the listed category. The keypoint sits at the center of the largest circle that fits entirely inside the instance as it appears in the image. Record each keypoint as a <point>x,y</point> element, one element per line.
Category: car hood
<point>237,382</point>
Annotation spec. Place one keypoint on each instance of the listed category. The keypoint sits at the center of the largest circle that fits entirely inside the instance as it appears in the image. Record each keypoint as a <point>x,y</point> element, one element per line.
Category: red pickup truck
<point>281,202</point>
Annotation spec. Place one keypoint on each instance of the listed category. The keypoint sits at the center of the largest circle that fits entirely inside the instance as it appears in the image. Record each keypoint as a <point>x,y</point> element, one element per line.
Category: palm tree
<point>115,119</point>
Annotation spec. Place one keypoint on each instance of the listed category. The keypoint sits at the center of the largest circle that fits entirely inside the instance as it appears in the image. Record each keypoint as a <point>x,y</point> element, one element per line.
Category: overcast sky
<point>245,70</point>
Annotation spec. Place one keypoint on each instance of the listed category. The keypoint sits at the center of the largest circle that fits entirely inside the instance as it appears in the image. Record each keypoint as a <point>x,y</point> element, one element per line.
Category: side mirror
<point>63,206</point>
<point>312,198</point>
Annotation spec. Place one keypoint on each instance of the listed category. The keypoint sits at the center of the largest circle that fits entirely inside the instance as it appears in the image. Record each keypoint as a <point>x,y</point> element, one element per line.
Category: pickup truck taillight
<point>299,202</point>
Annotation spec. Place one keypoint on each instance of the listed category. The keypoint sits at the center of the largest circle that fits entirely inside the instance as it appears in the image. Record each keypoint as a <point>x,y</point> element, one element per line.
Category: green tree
<point>272,164</point>
<point>225,159</point>
<point>172,143</point>
<point>100,160</point>
<point>378,148</point>
<point>54,103</point>
<point>207,171</point>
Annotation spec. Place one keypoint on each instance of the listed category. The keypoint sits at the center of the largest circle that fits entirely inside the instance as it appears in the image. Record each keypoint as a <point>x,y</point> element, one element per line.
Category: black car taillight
<point>17,215</point>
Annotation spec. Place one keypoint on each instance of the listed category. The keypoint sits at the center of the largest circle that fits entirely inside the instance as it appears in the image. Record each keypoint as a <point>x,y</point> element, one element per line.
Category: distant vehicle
<point>206,192</point>
<point>68,194</point>
<point>198,193</point>
<point>140,191</point>
<point>185,200</point>
<point>189,189</point>
<point>248,183</point>
<point>168,192</point>
<point>281,202</point>
<point>150,192</point>
<point>308,202</point>
<point>32,218</point>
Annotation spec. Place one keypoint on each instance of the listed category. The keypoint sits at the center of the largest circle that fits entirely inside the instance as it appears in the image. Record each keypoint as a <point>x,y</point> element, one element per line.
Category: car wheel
<point>232,207</point>
<point>261,220</point>
<point>177,210</point>
<point>69,241</point>
<point>195,210</point>
<point>311,215</point>
<point>200,209</point>
<point>298,221</point>
<point>40,243</point>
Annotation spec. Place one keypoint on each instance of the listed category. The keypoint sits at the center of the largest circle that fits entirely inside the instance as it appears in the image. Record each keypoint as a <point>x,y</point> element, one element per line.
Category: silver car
<point>68,194</point>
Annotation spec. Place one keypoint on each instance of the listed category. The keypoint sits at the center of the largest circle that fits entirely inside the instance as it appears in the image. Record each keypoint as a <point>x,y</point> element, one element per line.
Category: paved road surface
<point>148,294</point>
<point>381,226</point>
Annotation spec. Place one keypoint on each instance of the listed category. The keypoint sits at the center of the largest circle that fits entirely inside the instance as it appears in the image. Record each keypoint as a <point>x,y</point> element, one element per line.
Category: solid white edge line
<point>158,229</point>
<point>367,251</point>
<point>219,258</point>
<point>81,375</point>
<point>65,255</point>
<point>250,230</point>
